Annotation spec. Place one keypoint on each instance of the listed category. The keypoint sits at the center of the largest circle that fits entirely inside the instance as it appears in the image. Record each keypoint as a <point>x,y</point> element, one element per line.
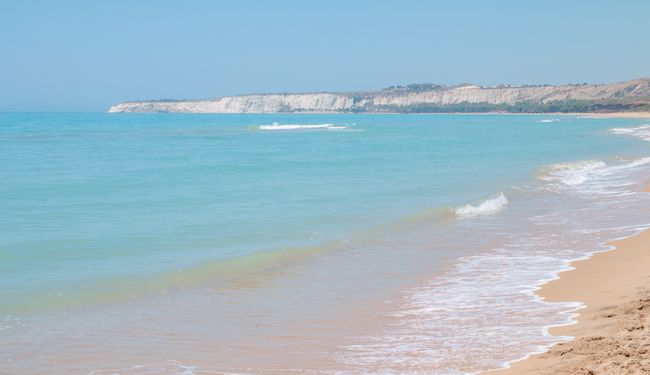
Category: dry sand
<point>639,115</point>
<point>643,115</point>
<point>612,335</point>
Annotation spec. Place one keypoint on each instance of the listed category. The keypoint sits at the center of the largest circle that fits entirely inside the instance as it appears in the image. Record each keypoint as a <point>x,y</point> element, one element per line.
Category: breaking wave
<point>572,173</point>
<point>489,206</point>
<point>642,131</point>
<point>276,126</point>
<point>489,300</point>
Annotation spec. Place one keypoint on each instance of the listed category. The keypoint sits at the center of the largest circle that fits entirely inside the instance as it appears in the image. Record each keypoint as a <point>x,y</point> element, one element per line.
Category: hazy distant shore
<point>632,115</point>
<point>623,115</point>
<point>630,96</point>
<point>643,115</point>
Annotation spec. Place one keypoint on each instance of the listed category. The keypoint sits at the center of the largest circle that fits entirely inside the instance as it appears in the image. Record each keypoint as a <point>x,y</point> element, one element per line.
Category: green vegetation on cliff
<point>565,106</point>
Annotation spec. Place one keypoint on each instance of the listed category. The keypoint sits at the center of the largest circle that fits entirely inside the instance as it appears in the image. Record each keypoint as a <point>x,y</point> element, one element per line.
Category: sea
<point>135,243</point>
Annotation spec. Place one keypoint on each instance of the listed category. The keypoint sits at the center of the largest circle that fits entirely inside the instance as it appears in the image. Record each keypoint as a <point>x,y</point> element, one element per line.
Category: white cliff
<point>395,98</point>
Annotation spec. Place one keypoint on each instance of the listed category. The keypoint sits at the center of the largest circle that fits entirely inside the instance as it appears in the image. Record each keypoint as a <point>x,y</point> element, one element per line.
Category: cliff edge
<point>632,95</point>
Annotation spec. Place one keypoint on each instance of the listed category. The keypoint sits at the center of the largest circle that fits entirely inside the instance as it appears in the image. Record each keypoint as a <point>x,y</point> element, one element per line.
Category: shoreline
<point>610,332</point>
<point>633,115</point>
<point>389,300</point>
<point>621,115</point>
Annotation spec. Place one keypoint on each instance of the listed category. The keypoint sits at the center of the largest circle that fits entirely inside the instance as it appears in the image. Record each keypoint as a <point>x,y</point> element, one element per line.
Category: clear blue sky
<point>85,55</point>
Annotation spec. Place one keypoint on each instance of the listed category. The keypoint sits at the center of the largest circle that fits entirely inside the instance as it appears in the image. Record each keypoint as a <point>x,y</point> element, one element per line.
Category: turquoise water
<point>89,198</point>
<point>351,243</point>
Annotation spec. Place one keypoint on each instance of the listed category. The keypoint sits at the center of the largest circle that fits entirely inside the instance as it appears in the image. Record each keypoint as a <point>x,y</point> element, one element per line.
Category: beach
<point>324,188</point>
<point>610,334</point>
<point>612,330</point>
<point>297,243</point>
<point>614,115</point>
<point>639,115</point>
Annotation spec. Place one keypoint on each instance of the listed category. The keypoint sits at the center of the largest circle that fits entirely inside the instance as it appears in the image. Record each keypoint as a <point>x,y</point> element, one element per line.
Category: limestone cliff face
<point>395,98</point>
<point>270,103</point>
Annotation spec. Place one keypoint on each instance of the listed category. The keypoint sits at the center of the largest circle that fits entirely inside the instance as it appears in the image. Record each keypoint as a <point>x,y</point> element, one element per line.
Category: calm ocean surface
<point>187,243</point>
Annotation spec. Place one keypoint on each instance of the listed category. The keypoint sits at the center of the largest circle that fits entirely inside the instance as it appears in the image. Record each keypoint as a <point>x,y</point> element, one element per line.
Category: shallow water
<point>148,243</point>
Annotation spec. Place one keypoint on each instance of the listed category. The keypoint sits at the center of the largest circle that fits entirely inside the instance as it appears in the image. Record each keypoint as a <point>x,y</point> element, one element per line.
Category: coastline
<point>640,115</point>
<point>611,331</point>
<point>604,115</point>
<point>621,115</point>
<point>632,115</point>
<point>470,307</point>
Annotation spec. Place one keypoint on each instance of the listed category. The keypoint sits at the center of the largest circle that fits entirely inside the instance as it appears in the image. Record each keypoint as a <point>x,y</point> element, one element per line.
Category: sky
<point>87,55</point>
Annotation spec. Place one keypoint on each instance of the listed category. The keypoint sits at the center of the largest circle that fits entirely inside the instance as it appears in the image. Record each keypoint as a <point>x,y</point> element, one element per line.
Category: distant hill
<point>423,98</point>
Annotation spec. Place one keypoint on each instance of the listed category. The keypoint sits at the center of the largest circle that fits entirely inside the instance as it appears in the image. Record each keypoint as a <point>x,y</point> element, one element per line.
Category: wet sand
<point>612,334</point>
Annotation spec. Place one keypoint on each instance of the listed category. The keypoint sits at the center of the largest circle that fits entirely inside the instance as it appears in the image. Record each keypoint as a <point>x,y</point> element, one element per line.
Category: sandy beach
<point>629,115</point>
<point>643,115</point>
<point>639,115</point>
<point>612,334</point>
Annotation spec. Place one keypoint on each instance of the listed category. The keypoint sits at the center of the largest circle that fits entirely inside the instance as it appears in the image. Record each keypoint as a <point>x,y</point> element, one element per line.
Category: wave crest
<point>489,206</point>
<point>276,126</point>
<point>573,173</point>
<point>642,131</point>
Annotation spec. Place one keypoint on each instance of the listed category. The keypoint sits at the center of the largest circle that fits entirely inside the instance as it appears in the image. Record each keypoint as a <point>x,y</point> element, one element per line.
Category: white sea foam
<point>638,162</point>
<point>276,126</point>
<point>10,322</point>
<point>482,312</point>
<point>594,176</point>
<point>487,207</point>
<point>549,120</point>
<point>464,309</point>
<point>642,131</point>
<point>573,173</point>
